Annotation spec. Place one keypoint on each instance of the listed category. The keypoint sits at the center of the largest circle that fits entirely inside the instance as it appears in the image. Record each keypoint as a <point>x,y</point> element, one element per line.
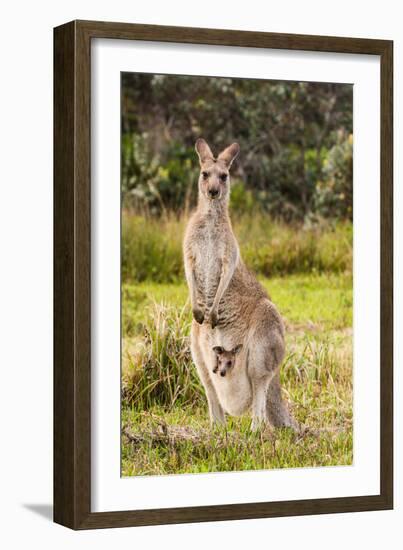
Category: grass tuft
<point>157,367</point>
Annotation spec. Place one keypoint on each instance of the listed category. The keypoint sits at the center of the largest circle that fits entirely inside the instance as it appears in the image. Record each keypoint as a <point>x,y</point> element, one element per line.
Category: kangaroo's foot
<point>259,410</point>
<point>280,415</point>
<point>217,422</point>
<point>259,424</point>
<point>278,412</point>
<point>217,416</point>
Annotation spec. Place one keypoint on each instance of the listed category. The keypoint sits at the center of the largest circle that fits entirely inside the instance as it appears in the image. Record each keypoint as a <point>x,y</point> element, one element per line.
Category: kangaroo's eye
<point>223,177</point>
<point>205,175</point>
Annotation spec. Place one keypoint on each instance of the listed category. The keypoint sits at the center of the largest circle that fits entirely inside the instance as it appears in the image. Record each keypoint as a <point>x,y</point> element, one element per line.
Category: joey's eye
<point>223,177</point>
<point>205,175</point>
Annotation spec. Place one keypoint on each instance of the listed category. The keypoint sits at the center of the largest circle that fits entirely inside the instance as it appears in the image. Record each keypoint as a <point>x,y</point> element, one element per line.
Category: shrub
<point>334,193</point>
<point>160,182</point>
<point>242,200</point>
<point>286,131</point>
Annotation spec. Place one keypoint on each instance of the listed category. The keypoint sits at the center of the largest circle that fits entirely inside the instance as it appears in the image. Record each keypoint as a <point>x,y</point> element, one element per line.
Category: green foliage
<point>156,183</point>
<point>139,170</point>
<point>242,199</point>
<point>152,248</point>
<point>287,132</point>
<point>334,195</point>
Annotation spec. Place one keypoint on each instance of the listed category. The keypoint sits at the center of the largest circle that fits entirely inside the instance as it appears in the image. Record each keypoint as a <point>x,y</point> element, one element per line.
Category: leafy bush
<point>139,170</point>
<point>289,133</point>
<point>157,183</point>
<point>334,194</point>
<point>242,200</point>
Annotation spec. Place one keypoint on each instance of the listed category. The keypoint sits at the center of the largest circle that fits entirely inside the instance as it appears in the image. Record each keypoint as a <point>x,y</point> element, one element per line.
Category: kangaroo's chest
<point>209,252</point>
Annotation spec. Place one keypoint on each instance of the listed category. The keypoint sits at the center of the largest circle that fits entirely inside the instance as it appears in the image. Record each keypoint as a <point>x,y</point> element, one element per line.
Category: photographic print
<point>236,274</point>
<point>221,350</point>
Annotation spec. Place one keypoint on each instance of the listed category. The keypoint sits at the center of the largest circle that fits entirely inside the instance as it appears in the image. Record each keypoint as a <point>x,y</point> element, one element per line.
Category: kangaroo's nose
<point>213,192</point>
<point>222,373</point>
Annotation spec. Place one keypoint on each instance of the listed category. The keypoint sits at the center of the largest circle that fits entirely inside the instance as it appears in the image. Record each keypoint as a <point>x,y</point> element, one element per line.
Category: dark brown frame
<point>72,296</point>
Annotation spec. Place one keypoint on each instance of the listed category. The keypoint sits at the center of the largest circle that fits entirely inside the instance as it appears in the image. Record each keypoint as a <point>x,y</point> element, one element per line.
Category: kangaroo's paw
<point>198,315</point>
<point>213,318</point>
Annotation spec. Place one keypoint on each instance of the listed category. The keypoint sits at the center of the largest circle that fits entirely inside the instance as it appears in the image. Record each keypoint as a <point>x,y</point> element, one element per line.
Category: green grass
<point>161,390</point>
<point>152,248</point>
<point>233,448</point>
<point>323,300</point>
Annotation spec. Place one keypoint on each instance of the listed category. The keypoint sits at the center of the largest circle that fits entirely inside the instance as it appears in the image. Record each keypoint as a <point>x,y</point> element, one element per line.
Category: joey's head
<point>214,180</point>
<point>225,360</point>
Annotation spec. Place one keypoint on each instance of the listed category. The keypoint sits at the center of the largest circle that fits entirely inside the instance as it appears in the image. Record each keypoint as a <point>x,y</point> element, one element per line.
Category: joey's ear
<point>218,350</point>
<point>237,349</point>
<point>229,154</point>
<point>203,150</point>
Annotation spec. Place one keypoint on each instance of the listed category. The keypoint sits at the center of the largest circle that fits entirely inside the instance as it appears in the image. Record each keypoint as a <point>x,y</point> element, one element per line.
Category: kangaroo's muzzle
<point>213,192</point>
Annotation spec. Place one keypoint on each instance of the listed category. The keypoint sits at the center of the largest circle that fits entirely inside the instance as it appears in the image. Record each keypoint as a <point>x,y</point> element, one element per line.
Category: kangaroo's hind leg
<point>260,388</point>
<point>268,348</point>
<point>261,369</point>
<point>217,415</point>
<point>277,409</point>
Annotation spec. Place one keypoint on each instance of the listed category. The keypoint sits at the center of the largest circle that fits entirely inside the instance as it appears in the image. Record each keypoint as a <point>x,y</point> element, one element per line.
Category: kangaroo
<point>230,306</point>
<point>225,359</point>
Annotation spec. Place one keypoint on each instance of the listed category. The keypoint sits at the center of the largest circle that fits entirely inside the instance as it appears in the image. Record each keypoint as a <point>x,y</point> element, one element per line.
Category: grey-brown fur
<point>225,359</point>
<point>230,307</point>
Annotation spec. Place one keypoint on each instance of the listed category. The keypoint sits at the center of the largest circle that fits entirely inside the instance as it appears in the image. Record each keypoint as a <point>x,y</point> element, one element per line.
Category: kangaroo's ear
<point>203,150</point>
<point>237,349</point>
<point>218,350</point>
<point>229,154</point>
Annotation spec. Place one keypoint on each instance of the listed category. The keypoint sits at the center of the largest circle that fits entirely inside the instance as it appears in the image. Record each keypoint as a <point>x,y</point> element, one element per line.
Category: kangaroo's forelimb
<point>190,274</point>
<point>228,266</point>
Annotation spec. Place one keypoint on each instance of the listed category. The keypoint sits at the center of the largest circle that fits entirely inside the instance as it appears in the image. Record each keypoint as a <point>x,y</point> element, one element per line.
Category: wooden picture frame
<point>72,271</point>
